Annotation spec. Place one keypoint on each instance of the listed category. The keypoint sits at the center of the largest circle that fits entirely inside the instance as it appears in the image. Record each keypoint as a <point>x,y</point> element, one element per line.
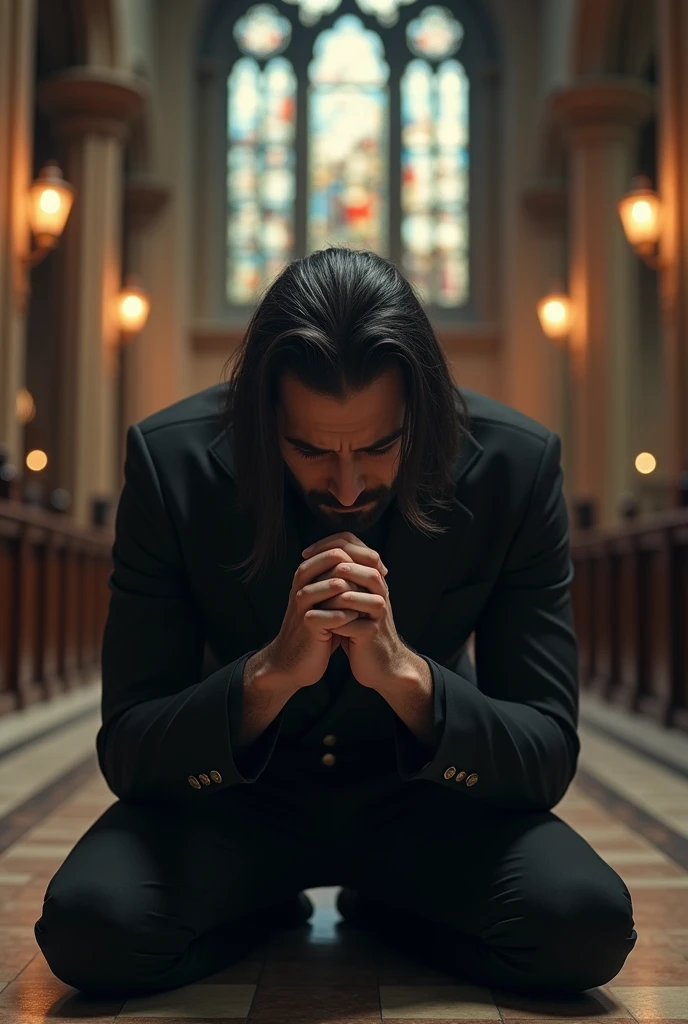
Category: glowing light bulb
<point>645,463</point>
<point>36,460</point>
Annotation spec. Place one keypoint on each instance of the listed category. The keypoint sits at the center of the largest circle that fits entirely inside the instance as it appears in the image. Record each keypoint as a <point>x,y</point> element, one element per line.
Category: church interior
<point>525,164</point>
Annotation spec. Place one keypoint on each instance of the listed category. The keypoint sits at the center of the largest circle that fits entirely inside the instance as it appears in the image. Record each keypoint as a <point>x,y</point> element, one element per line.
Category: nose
<point>348,487</point>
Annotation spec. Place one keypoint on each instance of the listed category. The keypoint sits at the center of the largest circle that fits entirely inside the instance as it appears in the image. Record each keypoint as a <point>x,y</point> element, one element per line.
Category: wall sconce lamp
<point>555,314</point>
<point>641,215</point>
<point>133,307</point>
<point>50,201</point>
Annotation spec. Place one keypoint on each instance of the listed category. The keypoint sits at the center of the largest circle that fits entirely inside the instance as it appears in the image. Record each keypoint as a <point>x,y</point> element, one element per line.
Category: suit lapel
<point>419,565</point>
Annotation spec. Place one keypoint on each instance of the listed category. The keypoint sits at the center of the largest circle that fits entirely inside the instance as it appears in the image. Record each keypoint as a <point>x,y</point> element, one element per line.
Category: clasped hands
<point>376,653</point>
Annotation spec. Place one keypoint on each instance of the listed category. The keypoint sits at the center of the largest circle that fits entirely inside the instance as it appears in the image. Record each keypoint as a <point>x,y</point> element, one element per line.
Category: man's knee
<point>104,945</point>
<point>578,937</point>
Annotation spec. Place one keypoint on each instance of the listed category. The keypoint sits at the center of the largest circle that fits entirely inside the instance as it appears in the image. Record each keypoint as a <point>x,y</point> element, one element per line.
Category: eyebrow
<point>381,442</point>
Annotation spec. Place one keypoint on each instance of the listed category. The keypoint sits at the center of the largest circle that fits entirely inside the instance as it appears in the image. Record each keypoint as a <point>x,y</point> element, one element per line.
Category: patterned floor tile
<point>330,971</point>
<point>39,867</point>
<point>18,912</point>
<point>652,1003</point>
<point>183,1020</point>
<point>214,1002</point>
<point>395,968</point>
<point>653,869</point>
<point>36,1001</point>
<point>318,1003</point>
<point>653,940</point>
<point>17,948</point>
<point>334,972</point>
<point>415,975</point>
<point>657,907</point>
<point>435,1020</point>
<point>585,817</point>
<point>622,858</point>
<point>71,1014</point>
<point>246,971</point>
<point>661,967</point>
<point>27,851</point>
<point>595,1004</point>
<point>437,1002</point>
<point>676,882</point>
<point>613,837</point>
<point>329,1015</point>
<point>64,830</point>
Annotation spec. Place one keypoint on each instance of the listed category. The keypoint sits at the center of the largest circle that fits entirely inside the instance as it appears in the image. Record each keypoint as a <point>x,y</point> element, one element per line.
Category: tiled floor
<point>633,811</point>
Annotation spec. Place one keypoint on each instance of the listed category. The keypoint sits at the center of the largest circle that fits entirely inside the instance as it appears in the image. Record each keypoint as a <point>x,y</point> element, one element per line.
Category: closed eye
<point>319,455</point>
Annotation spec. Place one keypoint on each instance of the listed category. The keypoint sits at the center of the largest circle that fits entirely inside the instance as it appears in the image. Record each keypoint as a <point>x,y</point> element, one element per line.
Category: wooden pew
<point>53,603</point>
<point>630,600</point>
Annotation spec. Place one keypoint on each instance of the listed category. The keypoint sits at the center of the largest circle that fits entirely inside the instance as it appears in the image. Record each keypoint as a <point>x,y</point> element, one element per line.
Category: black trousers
<point>151,899</point>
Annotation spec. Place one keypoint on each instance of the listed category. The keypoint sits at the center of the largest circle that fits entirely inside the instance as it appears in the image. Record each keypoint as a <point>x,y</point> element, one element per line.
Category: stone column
<point>673,190</point>
<point>545,202</point>
<point>144,199</point>
<point>17,42</point>
<point>601,118</point>
<point>92,109</point>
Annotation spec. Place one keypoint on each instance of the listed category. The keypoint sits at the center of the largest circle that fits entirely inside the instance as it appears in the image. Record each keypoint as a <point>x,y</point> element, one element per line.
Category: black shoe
<point>289,913</point>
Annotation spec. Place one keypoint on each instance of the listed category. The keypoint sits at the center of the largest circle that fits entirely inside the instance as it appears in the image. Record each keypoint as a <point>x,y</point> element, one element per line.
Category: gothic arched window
<point>353,122</point>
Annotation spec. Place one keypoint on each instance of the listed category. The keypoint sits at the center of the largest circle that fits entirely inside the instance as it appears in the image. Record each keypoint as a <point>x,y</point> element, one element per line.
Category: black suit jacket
<point>181,625</point>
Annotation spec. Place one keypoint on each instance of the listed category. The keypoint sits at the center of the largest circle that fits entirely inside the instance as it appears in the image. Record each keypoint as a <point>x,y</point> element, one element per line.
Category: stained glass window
<point>434,174</point>
<point>260,174</point>
<point>435,34</point>
<point>386,11</point>
<point>347,146</point>
<point>348,157</point>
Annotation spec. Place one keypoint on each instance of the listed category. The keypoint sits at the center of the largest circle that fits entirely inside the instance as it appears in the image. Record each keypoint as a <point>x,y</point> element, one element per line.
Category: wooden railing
<point>53,603</point>
<point>630,599</point>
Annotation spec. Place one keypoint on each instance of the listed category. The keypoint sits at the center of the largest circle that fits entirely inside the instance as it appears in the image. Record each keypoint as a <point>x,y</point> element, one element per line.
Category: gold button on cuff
<point>328,759</point>
<point>450,773</point>
<point>216,777</point>
<point>204,779</point>
<point>193,781</point>
<point>460,777</point>
<point>471,780</point>
<point>329,741</point>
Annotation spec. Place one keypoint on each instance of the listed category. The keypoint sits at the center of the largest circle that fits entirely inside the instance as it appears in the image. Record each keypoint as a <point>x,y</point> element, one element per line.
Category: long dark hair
<point>337,319</point>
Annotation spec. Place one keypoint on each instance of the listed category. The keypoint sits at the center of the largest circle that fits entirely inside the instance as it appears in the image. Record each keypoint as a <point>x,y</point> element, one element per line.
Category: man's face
<point>346,487</point>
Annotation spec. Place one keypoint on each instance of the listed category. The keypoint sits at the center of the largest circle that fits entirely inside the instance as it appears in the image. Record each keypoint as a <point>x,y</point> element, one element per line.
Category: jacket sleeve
<point>162,723</point>
<point>512,740</point>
